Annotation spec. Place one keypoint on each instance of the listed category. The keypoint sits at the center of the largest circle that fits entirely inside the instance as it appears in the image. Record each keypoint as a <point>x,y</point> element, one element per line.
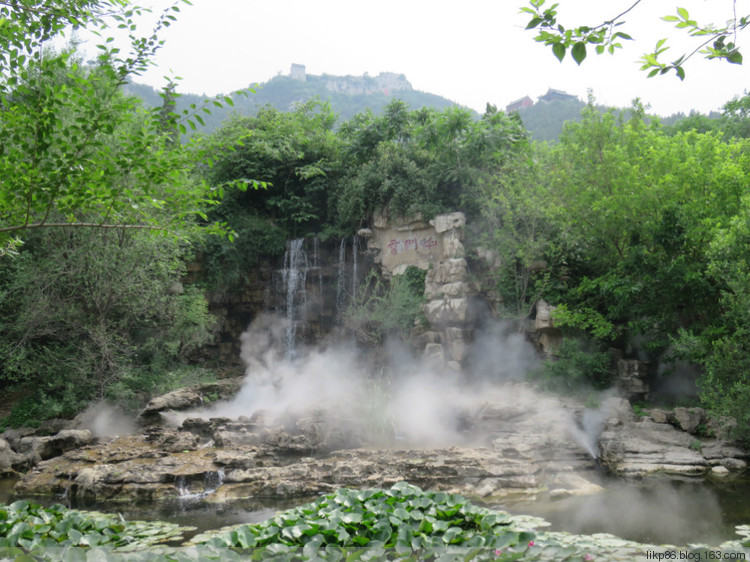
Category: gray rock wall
<point>451,306</point>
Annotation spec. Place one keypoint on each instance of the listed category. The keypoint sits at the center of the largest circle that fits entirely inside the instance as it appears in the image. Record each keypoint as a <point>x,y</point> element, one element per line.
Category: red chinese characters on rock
<point>401,245</point>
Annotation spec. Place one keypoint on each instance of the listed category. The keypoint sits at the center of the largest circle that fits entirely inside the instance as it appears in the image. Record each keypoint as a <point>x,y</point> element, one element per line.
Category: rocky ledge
<point>680,443</point>
<point>500,449</point>
<point>503,450</point>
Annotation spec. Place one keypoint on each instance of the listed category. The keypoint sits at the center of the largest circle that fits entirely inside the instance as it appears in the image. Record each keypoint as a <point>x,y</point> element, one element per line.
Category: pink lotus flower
<point>531,543</point>
<point>588,557</point>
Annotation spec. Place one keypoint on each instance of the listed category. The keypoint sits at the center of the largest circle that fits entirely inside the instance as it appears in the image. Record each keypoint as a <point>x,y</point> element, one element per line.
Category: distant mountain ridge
<point>348,95</point>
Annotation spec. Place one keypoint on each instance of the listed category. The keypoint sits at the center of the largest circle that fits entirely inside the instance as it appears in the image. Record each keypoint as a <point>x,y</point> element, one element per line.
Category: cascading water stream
<point>341,284</point>
<point>294,278</point>
<point>212,481</point>
<point>317,264</point>
<point>355,250</point>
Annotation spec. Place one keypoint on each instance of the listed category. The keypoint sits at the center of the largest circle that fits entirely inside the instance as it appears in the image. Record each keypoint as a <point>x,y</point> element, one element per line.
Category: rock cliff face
<point>667,443</point>
<point>308,286</point>
<point>385,82</point>
<point>453,305</point>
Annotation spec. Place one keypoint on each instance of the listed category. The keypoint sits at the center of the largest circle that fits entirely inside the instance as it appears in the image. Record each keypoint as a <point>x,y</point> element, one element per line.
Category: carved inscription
<point>400,245</point>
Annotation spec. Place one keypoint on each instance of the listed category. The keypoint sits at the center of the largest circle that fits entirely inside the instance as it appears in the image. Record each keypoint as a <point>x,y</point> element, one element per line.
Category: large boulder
<point>689,419</point>
<point>448,312</point>
<point>40,448</point>
<point>450,221</point>
<point>188,398</point>
<point>10,461</point>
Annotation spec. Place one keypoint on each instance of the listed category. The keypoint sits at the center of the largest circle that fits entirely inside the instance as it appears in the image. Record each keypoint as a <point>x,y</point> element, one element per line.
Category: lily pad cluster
<point>401,520</point>
<point>402,523</point>
<point>27,526</point>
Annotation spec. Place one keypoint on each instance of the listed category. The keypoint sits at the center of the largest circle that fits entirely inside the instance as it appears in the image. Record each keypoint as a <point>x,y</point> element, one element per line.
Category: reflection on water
<point>204,515</point>
<point>655,511</point>
<point>192,510</point>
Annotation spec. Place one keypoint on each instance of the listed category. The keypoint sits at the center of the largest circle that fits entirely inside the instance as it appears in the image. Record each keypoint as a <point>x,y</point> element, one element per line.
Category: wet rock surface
<point>502,449</point>
<point>505,451</point>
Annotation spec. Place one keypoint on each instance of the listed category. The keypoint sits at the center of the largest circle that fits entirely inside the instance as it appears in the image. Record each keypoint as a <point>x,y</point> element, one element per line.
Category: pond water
<point>655,511</point>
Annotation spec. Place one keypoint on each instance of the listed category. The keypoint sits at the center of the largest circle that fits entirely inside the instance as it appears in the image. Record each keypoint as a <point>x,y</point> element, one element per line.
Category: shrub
<point>383,309</point>
<point>576,367</point>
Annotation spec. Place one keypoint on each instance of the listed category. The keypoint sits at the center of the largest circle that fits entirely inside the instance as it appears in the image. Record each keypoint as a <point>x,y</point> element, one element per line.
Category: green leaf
<point>534,22</point>
<point>558,49</point>
<point>578,52</point>
<point>683,13</point>
<point>735,57</point>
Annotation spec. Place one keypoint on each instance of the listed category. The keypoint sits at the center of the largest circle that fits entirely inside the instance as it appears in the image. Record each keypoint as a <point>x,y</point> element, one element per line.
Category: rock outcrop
<point>189,397</point>
<point>500,449</point>
<point>510,442</point>
<point>10,461</point>
<point>662,443</point>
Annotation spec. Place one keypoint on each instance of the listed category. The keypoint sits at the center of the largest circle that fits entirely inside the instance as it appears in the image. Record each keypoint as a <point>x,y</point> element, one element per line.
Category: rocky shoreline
<point>509,452</point>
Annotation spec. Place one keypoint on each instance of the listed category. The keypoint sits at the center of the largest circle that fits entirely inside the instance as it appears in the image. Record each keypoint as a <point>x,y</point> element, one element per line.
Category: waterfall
<point>212,481</point>
<point>317,263</point>
<point>355,278</point>
<point>341,286</point>
<point>294,277</point>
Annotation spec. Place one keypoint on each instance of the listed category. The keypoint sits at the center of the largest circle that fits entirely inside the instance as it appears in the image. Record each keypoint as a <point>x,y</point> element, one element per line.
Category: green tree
<point>636,210</point>
<point>75,152</point>
<point>422,161</point>
<point>722,348</point>
<point>735,117</point>
<point>91,306</point>
<point>95,313</point>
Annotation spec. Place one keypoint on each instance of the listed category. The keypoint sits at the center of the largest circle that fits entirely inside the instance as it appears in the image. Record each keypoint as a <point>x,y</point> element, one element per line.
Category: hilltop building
<point>298,72</point>
<point>519,104</point>
<point>556,95</point>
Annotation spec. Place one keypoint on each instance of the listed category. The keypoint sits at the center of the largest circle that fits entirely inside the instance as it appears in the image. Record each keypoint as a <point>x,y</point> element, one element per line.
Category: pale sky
<point>471,52</point>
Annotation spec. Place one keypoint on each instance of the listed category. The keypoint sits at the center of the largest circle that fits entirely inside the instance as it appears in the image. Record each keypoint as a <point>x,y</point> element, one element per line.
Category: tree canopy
<point>74,151</point>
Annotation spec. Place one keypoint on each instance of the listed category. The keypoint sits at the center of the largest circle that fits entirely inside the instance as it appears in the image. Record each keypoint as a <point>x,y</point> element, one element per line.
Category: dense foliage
<point>638,235</point>
<point>96,314</point>
<point>91,304</point>
<point>381,310</point>
<point>326,181</point>
<point>76,152</point>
